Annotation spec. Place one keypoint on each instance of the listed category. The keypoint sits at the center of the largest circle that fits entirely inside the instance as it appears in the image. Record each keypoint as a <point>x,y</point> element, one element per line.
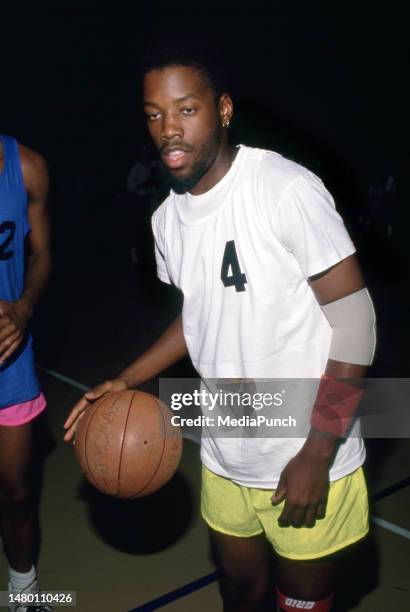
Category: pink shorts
<point>19,414</point>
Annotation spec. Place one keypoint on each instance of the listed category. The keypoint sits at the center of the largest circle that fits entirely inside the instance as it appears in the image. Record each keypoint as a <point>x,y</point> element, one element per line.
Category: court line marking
<point>172,596</point>
<point>391,527</point>
<point>195,585</point>
<point>394,488</point>
<point>63,378</point>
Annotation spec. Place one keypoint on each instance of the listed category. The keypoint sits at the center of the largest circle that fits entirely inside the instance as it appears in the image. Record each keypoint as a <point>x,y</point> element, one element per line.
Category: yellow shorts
<point>244,512</point>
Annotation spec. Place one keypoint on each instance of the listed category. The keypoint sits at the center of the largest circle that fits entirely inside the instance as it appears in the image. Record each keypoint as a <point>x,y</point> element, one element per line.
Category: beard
<point>207,154</point>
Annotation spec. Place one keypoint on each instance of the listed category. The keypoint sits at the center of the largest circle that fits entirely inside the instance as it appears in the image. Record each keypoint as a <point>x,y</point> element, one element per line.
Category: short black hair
<point>205,56</point>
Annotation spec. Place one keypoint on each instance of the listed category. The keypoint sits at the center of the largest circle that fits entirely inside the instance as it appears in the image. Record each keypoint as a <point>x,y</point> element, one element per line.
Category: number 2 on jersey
<point>230,262</point>
<point>8,227</point>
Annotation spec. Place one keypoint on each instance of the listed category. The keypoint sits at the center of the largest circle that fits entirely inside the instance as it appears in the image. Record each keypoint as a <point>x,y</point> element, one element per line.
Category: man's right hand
<point>88,398</point>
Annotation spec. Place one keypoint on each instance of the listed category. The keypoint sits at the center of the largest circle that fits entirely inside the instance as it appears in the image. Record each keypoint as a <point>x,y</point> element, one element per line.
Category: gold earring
<point>226,123</point>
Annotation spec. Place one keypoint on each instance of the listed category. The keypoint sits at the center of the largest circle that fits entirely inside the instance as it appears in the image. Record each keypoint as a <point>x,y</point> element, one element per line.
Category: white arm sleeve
<point>353,323</point>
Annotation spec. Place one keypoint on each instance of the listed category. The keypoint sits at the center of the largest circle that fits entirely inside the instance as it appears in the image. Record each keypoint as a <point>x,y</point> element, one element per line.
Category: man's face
<point>184,122</point>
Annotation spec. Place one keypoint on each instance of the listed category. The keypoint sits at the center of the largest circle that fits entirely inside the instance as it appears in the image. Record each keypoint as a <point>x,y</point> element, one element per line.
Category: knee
<point>249,589</point>
<point>14,496</point>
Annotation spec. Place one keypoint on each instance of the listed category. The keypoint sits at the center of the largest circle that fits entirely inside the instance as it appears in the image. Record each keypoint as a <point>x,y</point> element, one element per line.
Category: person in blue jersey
<point>24,271</point>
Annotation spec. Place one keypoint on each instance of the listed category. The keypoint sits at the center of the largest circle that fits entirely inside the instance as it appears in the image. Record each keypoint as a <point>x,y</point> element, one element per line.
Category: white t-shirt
<point>276,224</point>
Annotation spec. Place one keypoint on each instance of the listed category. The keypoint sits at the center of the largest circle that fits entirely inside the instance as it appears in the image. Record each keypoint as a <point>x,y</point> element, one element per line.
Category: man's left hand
<point>304,485</point>
<point>13,322</point>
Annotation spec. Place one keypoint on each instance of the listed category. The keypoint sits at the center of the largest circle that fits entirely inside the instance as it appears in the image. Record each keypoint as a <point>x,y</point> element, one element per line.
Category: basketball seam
<point>85,445</point>
<point>95,483</point>
<point>122,444</point>
<point>162,453</point>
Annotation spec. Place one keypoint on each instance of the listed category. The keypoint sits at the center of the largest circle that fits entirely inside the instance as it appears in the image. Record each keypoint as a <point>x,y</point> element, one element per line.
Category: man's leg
<point>310,582</point>
<point>18,512</point>
<point>245,572</point>
<point>308,558</point>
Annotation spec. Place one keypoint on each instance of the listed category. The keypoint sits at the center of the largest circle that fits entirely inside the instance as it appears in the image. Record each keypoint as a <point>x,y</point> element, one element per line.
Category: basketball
<point>126,444</point>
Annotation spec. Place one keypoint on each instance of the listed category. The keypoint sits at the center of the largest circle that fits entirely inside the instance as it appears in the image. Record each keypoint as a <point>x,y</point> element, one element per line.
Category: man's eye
<point>152,116</point>
<point>188,111</point>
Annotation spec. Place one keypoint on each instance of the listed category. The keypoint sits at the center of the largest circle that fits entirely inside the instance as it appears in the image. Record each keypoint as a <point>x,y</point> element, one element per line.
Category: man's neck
<point>217,171</point>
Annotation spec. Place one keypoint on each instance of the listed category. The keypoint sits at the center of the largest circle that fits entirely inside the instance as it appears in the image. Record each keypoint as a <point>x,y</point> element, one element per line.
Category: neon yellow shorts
<point>244,512</point>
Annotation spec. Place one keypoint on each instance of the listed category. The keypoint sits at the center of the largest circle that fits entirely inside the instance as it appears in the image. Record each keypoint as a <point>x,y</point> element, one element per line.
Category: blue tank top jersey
<point>18,380</point>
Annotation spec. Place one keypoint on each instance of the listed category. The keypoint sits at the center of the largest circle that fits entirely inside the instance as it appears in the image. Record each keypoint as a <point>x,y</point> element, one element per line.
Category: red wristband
<point>336,405</point>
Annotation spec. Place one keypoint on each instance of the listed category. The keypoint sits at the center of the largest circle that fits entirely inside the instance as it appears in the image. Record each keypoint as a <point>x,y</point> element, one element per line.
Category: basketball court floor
<point>153,553</point>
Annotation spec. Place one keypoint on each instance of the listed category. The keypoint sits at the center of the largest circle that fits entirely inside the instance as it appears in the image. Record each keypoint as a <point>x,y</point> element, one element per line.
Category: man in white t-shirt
<point>270,282</point>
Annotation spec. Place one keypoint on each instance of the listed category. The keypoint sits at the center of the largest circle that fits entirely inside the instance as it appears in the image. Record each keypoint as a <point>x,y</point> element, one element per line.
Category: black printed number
<point>8,228</point>
<point>231,274</point>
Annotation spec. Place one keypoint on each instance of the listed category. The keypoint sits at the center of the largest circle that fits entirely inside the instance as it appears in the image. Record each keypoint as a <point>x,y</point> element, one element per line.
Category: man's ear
<point>225,109</point>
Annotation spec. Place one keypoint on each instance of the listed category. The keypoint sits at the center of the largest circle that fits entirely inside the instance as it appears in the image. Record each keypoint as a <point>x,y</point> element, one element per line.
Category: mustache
<point>172,146</point>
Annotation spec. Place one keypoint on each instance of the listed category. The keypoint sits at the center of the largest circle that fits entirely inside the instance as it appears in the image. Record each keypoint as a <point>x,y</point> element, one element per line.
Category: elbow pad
<point>353,323</point>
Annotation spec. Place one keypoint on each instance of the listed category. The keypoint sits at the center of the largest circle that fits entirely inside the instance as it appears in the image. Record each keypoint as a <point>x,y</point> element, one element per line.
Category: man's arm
<point>164,352</point>
<point>167,350</point>
<point>36,180</point>
<point>304,482</point>
<point>14,316</point>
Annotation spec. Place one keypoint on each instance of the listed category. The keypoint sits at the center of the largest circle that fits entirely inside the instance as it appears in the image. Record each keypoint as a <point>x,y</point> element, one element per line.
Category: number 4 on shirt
<point>230,262</point>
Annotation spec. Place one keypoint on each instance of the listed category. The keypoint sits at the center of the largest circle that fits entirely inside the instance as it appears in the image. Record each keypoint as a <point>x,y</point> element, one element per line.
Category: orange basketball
<point>126,444</point>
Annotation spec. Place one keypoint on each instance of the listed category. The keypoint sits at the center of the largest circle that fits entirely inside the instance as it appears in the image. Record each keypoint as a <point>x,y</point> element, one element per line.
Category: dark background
<point>322,82</point>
